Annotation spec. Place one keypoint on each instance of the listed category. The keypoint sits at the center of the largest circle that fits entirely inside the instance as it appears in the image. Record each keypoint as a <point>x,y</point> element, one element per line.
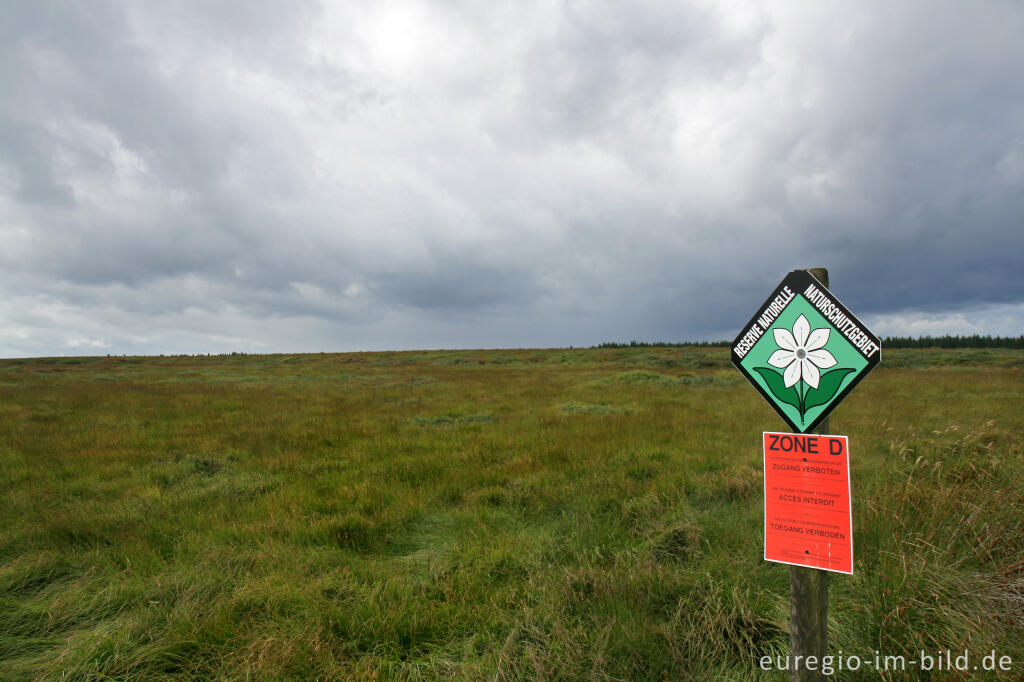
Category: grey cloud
<point>464,174</point>
<point>28,152</point>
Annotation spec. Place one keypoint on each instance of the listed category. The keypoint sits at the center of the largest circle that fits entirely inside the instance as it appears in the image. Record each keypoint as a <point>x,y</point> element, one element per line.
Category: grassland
<point>555,514</point>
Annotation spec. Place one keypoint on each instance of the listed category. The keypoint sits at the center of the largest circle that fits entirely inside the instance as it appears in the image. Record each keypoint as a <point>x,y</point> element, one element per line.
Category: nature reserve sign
<point>804,351</point>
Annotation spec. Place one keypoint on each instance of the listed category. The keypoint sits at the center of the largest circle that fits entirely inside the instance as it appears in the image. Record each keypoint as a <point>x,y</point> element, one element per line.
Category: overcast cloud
<point>283,177</point>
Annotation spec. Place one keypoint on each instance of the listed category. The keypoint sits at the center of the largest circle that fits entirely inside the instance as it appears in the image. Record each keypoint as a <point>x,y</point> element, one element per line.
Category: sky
<point>263,176</point>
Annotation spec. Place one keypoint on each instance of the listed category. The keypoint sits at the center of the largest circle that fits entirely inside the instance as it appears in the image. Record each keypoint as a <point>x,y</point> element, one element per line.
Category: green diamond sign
<point>804,351</point>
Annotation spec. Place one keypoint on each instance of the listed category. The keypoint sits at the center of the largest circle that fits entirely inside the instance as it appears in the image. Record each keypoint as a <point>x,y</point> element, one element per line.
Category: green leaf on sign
<point>777,386</point>
<point>828,386</point>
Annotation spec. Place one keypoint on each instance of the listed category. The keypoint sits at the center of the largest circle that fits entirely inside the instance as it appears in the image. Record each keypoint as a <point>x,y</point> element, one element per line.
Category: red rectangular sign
<point>807,512</point>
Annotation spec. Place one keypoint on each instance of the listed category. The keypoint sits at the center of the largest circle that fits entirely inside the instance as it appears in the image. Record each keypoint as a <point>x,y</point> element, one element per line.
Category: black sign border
<point>798,281</point>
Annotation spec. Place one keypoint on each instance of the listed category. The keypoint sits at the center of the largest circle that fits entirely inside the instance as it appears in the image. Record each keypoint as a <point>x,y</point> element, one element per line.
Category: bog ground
<point>555,514</point>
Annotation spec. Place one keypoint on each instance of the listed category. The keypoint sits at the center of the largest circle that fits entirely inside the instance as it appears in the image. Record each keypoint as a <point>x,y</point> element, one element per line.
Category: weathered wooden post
<point>808,596</point>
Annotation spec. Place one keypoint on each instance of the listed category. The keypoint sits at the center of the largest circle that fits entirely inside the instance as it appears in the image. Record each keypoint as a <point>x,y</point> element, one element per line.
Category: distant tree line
<point>973,341</point>
<point>661,344</point>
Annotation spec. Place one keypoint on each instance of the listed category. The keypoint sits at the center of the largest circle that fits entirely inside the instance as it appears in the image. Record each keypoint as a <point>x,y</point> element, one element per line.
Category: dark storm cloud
<point>922,125</point>
<point>202,176</point>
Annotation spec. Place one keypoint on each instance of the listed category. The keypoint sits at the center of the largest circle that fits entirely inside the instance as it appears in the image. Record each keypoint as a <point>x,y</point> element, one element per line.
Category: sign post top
<point>804,351</point>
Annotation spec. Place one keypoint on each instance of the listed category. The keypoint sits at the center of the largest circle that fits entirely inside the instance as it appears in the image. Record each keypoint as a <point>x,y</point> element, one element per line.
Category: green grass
<point>524,514</point>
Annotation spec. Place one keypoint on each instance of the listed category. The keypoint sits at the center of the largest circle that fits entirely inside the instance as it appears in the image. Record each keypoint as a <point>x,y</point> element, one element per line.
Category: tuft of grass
<point>649,378</point>
<point>640,376</point>
<point>446,420</point>
<point>576,407</point>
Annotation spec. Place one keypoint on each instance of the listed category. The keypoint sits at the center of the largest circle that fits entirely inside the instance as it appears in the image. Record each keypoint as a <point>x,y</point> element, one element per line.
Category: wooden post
<point>808,598</point>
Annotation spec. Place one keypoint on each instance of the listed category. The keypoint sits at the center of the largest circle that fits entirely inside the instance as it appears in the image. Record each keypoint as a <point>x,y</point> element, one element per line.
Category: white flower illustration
<point>802,353</point>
